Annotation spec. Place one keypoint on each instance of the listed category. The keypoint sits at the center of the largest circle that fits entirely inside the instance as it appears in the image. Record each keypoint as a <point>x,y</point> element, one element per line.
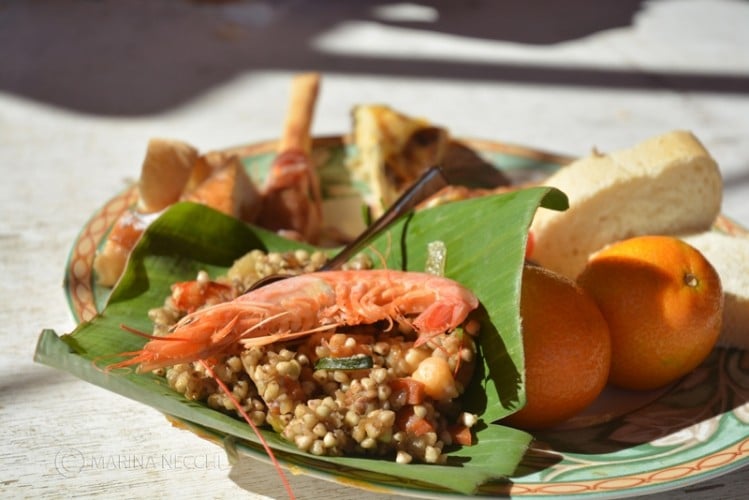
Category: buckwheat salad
<point>364,390</point>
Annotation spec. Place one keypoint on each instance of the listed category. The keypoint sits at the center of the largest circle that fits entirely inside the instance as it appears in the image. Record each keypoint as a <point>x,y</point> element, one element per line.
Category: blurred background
<point>85,84</point>
<point>561,76</point>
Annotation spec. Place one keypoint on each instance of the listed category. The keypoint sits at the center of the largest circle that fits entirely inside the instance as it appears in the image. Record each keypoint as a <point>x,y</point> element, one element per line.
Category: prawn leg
<point>249,421</point>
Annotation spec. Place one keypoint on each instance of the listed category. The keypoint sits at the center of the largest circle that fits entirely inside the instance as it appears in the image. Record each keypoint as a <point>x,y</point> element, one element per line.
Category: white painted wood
<point>84,85</point>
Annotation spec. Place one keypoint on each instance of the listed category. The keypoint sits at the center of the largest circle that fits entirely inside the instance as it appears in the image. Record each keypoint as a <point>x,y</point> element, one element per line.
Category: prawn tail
<point>249,421</point>
<point>141,357</point>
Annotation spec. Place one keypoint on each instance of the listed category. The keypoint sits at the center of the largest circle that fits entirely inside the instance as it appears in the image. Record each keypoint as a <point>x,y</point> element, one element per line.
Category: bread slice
<point>393,150</point>
<point>205,166</point>
<point>668,184</point>
<point>729,255</point>
<point>166,169</point>
<point>229,190</point>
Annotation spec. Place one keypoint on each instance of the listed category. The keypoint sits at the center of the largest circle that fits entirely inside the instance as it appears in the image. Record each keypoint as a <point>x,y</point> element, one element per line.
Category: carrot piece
<point>461,435</point>
<point>406,420</point>
<point>413,389</point>
<point>418,426</point>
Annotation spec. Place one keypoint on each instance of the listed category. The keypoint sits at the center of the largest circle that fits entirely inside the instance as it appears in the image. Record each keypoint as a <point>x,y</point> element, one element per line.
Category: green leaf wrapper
<point>485,239</point>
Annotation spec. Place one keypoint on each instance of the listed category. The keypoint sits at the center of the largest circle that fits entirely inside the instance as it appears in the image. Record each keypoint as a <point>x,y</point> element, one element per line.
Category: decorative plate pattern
<point>626,444</point>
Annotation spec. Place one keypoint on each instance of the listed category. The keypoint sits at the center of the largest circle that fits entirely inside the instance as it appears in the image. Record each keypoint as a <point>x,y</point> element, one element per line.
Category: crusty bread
<point>668,184</point>
<point>217,180</point>
<point>229,190</point>
<point>206,165</point>
<point>166,169</point>
<point>729,255</point>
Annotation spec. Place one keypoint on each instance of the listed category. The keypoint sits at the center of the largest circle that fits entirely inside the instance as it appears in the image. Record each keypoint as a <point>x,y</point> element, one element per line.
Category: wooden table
<point>84,85</point>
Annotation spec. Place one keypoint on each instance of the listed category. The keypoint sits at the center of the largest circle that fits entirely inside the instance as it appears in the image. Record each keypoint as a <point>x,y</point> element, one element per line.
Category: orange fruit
<point>567,349</point>
<point>663,302</point>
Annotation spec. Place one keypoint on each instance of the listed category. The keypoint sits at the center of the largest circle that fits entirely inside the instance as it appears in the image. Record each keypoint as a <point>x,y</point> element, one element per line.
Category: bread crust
<point>166,169</point>
<point>229,190</point>
<point>668,184</point>
<point>729,255</point>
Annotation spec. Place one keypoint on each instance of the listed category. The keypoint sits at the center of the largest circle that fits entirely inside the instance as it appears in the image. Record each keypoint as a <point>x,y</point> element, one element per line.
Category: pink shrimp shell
<point>297,306</point>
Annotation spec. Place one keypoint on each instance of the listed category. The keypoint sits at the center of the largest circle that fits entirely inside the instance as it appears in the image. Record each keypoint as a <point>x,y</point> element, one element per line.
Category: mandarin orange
<point>567,349</point>
<point>663,302</point>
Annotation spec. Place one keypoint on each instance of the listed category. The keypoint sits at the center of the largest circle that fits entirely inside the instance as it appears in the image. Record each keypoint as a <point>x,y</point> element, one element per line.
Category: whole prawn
<point>300,305</point>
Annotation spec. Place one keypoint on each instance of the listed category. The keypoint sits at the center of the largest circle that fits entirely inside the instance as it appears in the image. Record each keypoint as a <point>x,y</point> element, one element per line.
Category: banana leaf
<point>485,239</point>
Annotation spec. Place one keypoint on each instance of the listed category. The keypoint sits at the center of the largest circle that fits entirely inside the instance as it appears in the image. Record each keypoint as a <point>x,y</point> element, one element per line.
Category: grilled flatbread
<point>393,150</point>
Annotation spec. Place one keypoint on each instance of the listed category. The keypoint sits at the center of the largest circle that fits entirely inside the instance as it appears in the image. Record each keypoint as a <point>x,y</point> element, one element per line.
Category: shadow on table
<point>134,58</point>
<point>738,178</point>
<point>262,479</point>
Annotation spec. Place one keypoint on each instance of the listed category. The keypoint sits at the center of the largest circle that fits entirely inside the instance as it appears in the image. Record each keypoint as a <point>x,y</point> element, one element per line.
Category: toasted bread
<point>206,165</point>
<point>166,169</point>
<point>298,122</point>
<point>668,184</point>
<point>229,190</point>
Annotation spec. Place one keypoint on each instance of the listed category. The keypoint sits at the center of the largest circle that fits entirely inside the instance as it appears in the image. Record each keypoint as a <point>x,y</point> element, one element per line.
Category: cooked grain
<point>331,411</point>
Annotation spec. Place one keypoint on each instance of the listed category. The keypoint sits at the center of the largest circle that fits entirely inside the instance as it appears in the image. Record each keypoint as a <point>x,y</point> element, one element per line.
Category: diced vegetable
<point>412,390</point>
<point>461,435</point>
<point>408,421</point>
<point>358,362</point>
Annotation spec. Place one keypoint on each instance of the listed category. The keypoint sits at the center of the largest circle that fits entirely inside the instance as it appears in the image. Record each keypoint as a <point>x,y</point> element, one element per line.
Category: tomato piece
<point>461,435</point>
<point>407,421</point>
<point>413,390</point>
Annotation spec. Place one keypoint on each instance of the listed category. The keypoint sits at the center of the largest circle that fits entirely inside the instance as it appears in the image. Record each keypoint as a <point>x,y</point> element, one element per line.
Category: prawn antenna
<point>112,366</point>
<point>263,322</point>
<point>247,418</point>
<point>148,336</point>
